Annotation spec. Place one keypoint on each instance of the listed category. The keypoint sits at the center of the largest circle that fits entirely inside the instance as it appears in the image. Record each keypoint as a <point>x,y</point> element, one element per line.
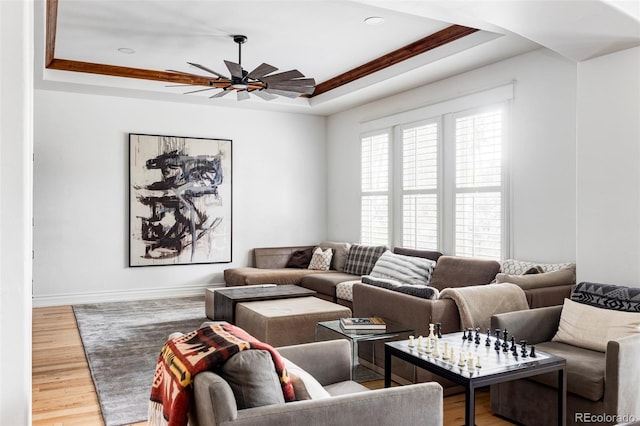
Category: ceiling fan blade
<point>234,69</point>
<point>199,90</point>
<point>203,68</point>
<point>243,95</point>
<point>264,95</point>
<point>308,90</point>
<point>285,93</point>
<point>221,94</point>
<point>261,71</point>
<point>295,83</point>
<point>287,75</point>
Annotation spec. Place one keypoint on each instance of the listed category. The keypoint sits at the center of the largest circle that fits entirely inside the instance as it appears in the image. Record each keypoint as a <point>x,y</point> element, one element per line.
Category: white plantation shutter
<point>374,210</point>
<point>479,188</point>
<point>420,186</point>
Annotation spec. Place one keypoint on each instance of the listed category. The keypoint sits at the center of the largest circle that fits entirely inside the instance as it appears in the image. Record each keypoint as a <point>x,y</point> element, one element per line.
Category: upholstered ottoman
<point>285,322</point>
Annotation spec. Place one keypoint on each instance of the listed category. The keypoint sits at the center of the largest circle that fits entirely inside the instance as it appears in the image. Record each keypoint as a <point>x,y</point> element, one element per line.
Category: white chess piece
<point>461,361</point>
<point>428,348</point>
<point>478,362</point>
<point>436,347</point>
<point>420,345</point>
<point>411,344</point>
<point>431,334</point>
<point>445,352</point>
<point>452,355</point>
<point>470,363</point>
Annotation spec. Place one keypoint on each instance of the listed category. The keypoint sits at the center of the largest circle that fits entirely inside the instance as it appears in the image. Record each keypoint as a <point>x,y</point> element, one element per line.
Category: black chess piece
<point>523,346</point>
<point>532,352</point>
<point>513,345</point>
<point>439,330</point>
<point>487,342</point>
<point>464,334</point>
<point>505,340</point>
<point>497,344</point>
<point>477,340</point>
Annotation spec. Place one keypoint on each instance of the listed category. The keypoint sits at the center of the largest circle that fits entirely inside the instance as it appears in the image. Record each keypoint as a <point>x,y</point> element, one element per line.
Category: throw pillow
<point>361,259</point>
<point>422,291</point>
<point>591,328</point>
<point>545,279</point>
<point>608,296</point>
<point>321,259</point>
<point>340,251</point>
<point>253,379</point>
<point>518,267</point>
<point>300,258</point>
<point>305,385</point>
<point>404,269</point>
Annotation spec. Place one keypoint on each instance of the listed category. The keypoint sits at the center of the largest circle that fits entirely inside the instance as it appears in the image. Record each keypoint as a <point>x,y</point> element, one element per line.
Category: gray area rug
<point>122,341</point>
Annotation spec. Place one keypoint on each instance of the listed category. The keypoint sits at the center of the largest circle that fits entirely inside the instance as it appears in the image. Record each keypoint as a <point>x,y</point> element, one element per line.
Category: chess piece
<point>420,344</point>
<point>497,344</point>
<point>464,334</point>
<point>477,339</point>
<point>505,340</point>
<point>439,330</point>
<point>411,344</point>
<point>478,365</point>
<point>471,363</point>
<point>431,327</point>
<point>523,347</point>
<point>513,345</point>
<point>461,360</point>
<point>436,347</point>
<point>487,342</point>
<point>532,352</point>
<point>452,355</point>
<point>445,352</point>
<point>428,347</point>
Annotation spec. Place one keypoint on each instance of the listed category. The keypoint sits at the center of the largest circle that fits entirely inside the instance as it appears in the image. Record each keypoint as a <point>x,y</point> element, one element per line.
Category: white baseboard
<point>120,295</point>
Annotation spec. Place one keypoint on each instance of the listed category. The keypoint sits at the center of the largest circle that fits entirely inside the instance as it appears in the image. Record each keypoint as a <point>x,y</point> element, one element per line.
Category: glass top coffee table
<point>327,330</point>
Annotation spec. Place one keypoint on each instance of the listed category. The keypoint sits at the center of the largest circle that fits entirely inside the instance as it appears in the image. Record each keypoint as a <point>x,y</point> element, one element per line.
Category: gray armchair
<point>600,385</point>
<point>350,403</point>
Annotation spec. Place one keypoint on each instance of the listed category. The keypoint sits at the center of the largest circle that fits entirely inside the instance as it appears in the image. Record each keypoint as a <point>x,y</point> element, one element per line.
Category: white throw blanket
<point>477,303</point>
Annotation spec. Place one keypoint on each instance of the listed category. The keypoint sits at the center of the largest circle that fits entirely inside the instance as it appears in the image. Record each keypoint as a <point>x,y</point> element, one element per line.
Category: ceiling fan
<point>261,81</point>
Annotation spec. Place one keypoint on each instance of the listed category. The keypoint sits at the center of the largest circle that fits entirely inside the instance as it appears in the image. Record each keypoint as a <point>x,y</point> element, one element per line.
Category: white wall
<point>81,190</point>
<point>608,183</point>
<point>16,147</point>
<point>542,151</point>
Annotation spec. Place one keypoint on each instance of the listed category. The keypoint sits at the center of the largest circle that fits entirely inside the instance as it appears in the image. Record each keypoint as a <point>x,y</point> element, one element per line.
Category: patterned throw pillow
<point>404,269</point>
<point>321,259</point>
<point>422,291</point>
<point>361,259</point>
<point>519,267</point>
<point>608,296</point>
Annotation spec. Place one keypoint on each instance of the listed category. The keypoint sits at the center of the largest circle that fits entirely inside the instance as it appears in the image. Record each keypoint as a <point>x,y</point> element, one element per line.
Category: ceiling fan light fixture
<point>261,81</point>
<point>126,50</point>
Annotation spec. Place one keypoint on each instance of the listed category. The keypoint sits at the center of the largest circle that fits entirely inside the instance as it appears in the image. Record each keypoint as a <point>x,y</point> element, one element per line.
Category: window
<point>434,178</point>
<point>375,189</point>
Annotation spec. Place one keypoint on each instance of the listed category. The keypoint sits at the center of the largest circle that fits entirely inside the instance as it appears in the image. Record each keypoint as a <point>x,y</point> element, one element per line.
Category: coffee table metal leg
<point>470,405</point>
<point>562,397</point>
<point>387,367</point>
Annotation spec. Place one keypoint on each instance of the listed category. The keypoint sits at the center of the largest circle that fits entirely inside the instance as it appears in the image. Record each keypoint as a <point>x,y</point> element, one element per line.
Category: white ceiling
<point>320,38</point>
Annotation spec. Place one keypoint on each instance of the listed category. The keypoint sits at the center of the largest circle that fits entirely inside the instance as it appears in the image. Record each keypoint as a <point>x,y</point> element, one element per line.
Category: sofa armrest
<point>273,257</point>
<point>622,370</point>
<point>328,362</point>
<point>533,325</point>
<point>402,405</point>
<point>411,311</point>
<point>548,296</point>
<point>214,402</point>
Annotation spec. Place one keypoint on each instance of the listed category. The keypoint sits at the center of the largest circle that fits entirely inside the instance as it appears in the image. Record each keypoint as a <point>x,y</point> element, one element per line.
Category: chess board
<point>481,351</point>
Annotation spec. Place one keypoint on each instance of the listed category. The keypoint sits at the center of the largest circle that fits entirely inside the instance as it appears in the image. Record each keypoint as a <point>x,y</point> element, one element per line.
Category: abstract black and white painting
<point>180,200</point>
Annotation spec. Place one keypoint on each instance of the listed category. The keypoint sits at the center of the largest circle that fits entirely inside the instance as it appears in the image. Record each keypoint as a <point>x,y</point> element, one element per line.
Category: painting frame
<point>180,200</point>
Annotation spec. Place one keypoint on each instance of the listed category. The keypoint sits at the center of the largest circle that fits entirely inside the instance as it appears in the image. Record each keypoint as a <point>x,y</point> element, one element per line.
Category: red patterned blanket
<point>187,355</point>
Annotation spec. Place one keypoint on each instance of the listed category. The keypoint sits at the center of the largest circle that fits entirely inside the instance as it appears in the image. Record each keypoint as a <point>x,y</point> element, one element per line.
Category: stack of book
<point>372,323</point>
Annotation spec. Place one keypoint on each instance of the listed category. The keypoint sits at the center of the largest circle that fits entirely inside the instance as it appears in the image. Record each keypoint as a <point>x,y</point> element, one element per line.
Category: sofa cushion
<point>305,385</point>
<point>616,297</point>
<point>361,259</point>
<point>425,254</point>
<point>250,276</point>
<point>539,280</point>
<point>585,370</point>
<point>519,267</point>
<point>591,328</point>
<point>340,252</point>
<point>321,259</point>
<point>300,258</point>
<point>253,379</point>
<point>455,271</point>
<point>344,290</point>
<point>404,269</point>
<point>326,283</point>
<point>418,290</point>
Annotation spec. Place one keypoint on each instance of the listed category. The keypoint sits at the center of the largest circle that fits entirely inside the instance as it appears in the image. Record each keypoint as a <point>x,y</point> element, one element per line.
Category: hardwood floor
<point>63,392</point>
